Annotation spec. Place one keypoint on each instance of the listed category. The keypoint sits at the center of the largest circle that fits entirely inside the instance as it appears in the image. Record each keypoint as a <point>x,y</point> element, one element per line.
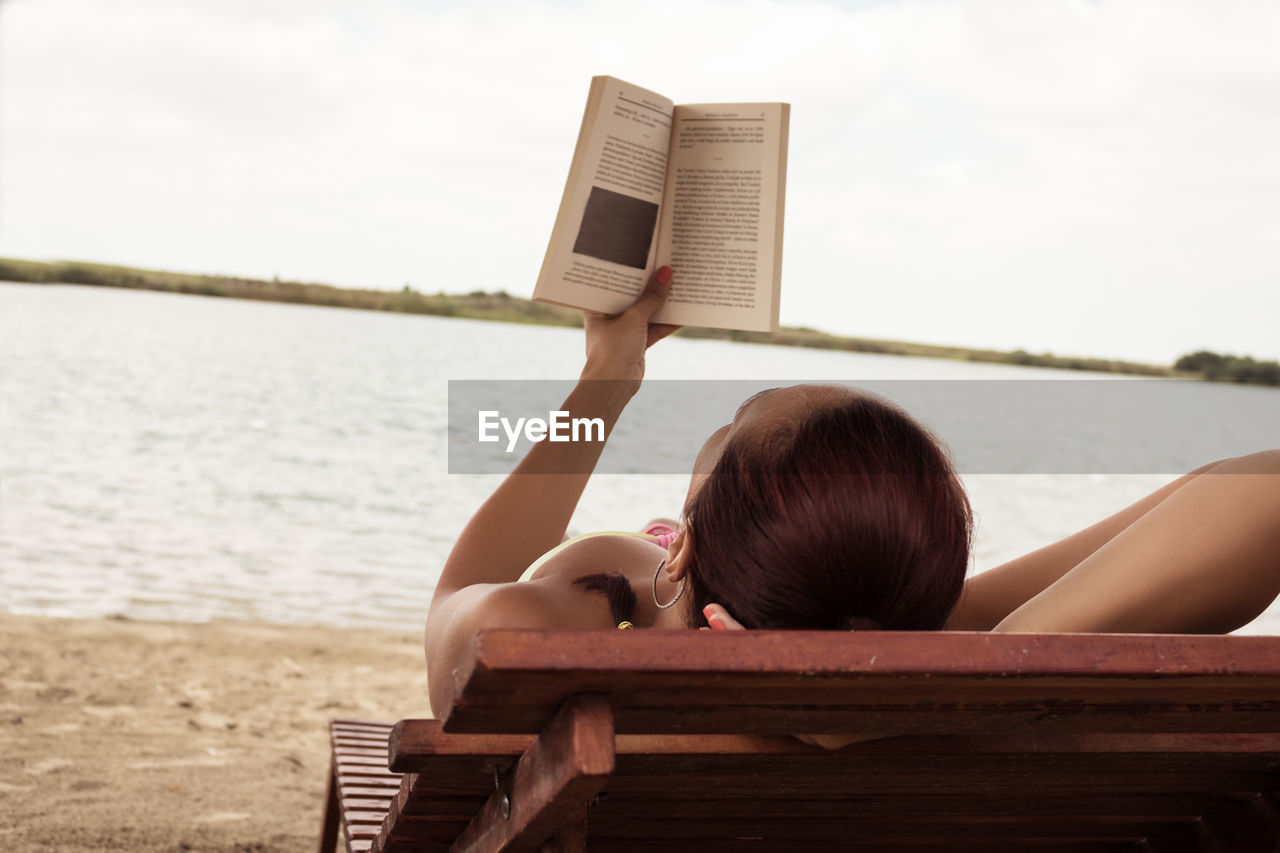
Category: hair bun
<point>861,623</point>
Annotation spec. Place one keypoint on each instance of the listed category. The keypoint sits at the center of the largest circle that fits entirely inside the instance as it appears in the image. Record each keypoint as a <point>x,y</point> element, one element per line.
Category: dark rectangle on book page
<point>617,228</point>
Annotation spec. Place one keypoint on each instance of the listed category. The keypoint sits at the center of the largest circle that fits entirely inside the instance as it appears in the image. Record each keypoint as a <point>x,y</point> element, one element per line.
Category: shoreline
<point>120,734</point>
<point>503,307</point>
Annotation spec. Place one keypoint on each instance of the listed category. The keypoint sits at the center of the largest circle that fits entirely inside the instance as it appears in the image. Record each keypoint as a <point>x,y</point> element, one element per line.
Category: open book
<point>697,187</point>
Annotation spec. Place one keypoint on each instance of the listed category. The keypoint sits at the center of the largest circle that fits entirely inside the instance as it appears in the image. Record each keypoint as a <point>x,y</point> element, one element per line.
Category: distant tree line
<point>503,307</point>
<point>1230,368</point>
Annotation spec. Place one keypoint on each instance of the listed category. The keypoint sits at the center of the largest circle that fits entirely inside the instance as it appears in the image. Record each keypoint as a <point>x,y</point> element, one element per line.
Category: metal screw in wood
<point>505,801</point>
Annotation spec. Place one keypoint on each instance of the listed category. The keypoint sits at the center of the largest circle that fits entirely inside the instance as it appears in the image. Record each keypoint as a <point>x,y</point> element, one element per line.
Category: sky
<point>1083,178</point>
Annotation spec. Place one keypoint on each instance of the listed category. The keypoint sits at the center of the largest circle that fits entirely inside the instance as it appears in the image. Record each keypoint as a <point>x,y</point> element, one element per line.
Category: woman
<point>820,507</point>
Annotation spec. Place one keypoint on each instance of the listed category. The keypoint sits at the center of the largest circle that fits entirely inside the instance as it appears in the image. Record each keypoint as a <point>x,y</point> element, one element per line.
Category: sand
<point>117,734</point>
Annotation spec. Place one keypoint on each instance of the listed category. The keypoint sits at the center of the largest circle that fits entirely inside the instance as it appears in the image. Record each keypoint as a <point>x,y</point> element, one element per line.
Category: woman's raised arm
<point>528,513</point>
<point>992,595</point>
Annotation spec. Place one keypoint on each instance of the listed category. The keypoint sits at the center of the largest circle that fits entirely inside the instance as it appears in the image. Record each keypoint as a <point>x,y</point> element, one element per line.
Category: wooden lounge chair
<point>645,740</point>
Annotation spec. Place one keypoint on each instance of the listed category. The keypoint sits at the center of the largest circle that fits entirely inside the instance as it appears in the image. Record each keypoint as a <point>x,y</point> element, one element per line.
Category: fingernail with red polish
<point>664,275</point>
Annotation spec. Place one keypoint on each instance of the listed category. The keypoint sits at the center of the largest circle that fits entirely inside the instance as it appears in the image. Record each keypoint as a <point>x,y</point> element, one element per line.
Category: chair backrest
<point>884,682</point>
<point>649,740</point>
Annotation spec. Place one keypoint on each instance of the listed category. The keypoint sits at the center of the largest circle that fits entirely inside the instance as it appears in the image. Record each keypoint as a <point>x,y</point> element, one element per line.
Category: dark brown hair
<point>617,591</point>
<point>851,518</point>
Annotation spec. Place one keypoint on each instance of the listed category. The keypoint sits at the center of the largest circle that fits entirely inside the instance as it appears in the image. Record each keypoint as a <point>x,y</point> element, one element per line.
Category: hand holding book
<point>698,187</point>
<point>616,343</point>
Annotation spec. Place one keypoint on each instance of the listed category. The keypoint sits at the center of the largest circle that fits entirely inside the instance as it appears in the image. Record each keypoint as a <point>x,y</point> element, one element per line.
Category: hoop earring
<point>679,592</point>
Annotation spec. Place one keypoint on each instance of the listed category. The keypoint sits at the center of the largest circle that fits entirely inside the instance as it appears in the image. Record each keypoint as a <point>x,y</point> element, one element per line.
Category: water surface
<point>179,457</point>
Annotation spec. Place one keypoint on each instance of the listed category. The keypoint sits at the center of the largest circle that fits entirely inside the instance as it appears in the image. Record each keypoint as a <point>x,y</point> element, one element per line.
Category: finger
<point>720,620</point>
<point>655,293</point>
<point>658,331</point>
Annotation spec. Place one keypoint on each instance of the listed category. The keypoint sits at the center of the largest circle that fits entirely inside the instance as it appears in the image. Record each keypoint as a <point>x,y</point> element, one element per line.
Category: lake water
<point>179,457</point>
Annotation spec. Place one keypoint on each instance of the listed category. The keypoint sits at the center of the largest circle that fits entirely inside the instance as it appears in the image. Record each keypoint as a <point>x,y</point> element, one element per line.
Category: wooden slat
<point>369,804</point>
<point>924,708</point>
<point>901,806</point>
<point>1247,825</point>
<point>559,771</point>
<point>363,785</point>
<point>667,833</point>
<point>569,838</point>
<point>882,816</point>
<point>1197,762</point>
<point>556,777</point>
<point>339,728</point>
<point>1135,743</point>
<point>874,682</point>
<point>1102,789</point>
<point>357,763</point>
<point>908,844</point>
<point>746,782</point>
<point>940,805</point>
<point>897,653</point>
<point>725,788</point>
<point>663,831</point>
<point>607,824</point>
<point>415,744</point>
<point>367,787</point>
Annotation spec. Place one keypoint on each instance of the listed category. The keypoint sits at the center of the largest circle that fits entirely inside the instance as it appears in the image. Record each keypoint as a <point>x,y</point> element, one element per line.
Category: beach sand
<point>117,734</point>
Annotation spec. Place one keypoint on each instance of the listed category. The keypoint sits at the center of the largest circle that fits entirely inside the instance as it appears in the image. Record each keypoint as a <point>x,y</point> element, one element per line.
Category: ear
<point>680,555</point>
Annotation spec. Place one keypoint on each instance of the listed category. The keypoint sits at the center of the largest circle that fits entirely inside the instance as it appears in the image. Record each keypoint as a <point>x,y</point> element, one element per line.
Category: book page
<point>721,229</point>
<point>603,244</point>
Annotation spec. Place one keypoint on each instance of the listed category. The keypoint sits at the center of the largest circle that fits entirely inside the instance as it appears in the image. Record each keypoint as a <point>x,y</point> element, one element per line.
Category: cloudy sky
<point>1088,178</point>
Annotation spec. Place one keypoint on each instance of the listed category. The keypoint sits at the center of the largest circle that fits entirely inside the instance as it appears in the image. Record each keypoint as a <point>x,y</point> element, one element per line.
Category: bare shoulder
<point>549,600</point>
<point>456,619</point>
<point>601,553</point>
